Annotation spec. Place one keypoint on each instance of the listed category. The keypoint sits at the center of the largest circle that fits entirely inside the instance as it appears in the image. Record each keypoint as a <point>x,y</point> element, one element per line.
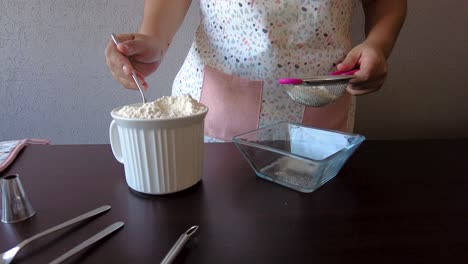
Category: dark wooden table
<point>393,202</point>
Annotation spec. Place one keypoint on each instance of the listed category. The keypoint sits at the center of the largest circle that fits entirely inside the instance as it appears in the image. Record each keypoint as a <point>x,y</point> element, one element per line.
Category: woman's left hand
<point>372,65</point>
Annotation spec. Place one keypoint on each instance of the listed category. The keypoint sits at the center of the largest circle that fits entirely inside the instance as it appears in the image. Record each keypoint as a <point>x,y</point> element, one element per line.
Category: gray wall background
<point>54,82</point>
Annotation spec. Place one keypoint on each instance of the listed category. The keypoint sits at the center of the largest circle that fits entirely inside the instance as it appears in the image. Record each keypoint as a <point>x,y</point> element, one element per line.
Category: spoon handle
<point>140,87</point>
<point>179,244</point>
<point>134,76</point>
<point>67,223</point>
<point>88,242</point>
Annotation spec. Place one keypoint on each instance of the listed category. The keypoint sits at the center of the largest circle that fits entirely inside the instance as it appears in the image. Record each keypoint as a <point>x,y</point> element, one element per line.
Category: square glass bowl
<point>299,157</point>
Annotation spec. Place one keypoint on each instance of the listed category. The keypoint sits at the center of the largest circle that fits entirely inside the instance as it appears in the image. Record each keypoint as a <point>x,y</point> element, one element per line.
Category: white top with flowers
<point>267,40</point>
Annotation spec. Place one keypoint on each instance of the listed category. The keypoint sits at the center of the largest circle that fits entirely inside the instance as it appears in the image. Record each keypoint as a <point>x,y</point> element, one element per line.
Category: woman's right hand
<point>135,51</point>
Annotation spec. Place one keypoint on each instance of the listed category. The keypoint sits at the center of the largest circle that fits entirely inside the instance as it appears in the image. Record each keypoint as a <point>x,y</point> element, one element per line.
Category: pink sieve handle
<point>289,81</point>
<point>351,72</point>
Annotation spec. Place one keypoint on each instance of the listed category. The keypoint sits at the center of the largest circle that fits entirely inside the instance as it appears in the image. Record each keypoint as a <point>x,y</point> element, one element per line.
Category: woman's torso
<point>267,40</point>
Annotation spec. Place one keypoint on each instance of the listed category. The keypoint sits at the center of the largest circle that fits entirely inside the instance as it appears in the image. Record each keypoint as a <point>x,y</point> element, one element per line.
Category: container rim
<point>115,116</point>
<point>358,139</point>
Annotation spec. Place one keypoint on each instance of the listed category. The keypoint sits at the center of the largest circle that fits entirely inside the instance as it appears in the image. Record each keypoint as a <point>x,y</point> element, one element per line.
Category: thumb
<point>350,61</point>
<point>142,49</point>
<point>131,47</point>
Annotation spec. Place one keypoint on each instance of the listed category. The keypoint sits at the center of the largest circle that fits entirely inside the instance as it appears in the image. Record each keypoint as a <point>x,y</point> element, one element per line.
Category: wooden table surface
<point>393,202</point>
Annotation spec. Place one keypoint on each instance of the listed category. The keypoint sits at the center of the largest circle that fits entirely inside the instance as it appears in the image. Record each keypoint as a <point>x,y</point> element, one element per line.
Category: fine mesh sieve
<point>319,90</point>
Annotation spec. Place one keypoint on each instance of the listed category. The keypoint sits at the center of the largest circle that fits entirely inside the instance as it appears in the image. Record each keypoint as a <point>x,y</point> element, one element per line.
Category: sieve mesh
<point>317,94</point>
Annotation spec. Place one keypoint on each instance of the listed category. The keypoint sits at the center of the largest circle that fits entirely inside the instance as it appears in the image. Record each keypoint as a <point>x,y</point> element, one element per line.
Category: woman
<point>242,48</point>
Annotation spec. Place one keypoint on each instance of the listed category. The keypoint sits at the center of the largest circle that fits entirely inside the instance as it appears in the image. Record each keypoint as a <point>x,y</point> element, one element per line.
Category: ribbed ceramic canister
<point>160,156</point>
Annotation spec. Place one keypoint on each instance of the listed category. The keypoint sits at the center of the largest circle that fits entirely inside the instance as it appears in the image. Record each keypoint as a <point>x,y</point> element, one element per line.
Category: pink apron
<point>242,48</point>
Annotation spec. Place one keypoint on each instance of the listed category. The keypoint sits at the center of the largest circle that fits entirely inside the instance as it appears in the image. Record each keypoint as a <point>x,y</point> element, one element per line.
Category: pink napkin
<point>10,149</point>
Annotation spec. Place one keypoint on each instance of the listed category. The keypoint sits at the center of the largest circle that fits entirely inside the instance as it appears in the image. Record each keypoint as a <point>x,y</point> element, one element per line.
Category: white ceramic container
<point>160,156</point>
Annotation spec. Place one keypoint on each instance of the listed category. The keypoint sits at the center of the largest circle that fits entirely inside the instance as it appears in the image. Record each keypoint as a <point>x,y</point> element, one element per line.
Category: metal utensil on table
<point>7,256</point>
<point>179,244</point>
<point>317,91</point>
<point>15,203</point>
<point>134,76</point>
<point>88,242</point>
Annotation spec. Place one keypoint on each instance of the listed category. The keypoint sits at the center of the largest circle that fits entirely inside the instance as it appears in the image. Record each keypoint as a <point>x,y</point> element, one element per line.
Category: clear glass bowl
<point>297,156</point>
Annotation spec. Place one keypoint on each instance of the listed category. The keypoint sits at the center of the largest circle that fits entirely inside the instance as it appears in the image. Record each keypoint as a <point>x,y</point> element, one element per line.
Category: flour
<point>164,107</point>
<point>318,91</point>
<point>311,95</point>
<point>292,171</point>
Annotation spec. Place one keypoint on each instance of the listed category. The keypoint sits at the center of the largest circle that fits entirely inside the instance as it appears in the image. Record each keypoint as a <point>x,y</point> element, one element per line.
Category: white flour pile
<point>164,107</point>
<point>318,91</point>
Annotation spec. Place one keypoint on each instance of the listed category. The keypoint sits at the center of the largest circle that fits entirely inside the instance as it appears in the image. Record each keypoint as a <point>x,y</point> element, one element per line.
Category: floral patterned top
<point>267,40</point>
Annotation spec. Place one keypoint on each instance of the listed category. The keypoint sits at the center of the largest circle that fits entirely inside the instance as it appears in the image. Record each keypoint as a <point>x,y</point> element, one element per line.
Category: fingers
<point>350,61</point>
<point>365,83</point>
<point>135,52</point>
<point>136,47</point>
<point>116,62</point>
<point>120,66</point>
<point>128,82</point>
<point>125,37</point>
<point>362,89</point>
<point>372,73</point>
<point>369,75</point>
<point>143,49</point>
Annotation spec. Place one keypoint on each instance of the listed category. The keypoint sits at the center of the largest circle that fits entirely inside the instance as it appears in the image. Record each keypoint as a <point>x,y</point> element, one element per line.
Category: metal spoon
<point>7,256</point>
<point>134,76</point>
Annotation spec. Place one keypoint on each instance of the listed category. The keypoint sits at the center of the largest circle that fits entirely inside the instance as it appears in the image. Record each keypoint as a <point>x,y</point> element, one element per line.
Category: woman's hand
<point>372,65</point>
<point>135,51</point>
<point>384,20</point>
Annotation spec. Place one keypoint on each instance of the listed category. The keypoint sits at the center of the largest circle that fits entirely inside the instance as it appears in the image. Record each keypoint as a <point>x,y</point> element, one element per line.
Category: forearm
<point>384,19</point>
<point>162,18</point>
